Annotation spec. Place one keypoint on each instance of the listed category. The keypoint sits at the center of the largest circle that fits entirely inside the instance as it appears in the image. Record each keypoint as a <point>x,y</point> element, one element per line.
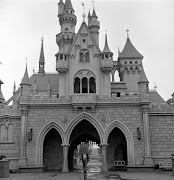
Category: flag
<point>83,4</point>
<point>0,63</point>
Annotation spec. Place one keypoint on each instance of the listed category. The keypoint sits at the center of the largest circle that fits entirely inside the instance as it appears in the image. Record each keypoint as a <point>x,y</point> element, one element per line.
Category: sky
<point>150,24</point>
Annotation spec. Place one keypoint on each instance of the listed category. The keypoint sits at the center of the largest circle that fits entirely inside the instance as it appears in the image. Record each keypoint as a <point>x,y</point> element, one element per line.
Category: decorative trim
<point>6,142</point>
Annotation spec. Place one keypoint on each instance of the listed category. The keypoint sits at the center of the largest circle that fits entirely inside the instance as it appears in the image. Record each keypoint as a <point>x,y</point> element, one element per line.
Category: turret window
<point>84,82</point>
<point>84,55</point>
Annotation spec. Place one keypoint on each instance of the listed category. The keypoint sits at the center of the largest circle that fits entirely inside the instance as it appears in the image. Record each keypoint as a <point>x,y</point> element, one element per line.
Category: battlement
<point>163,107</point>
<point>6,110</point>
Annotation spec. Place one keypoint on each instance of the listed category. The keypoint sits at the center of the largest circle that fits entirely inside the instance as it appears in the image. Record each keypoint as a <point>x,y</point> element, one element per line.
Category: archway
<point>52,151</point>
<point>51,127</point>
<point>126,139</point>
<point>117,148</point>
<point>81,136</point>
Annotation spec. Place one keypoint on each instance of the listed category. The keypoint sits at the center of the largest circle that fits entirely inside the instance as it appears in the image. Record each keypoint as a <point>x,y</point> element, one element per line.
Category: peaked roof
<point>77,35</point>
<point>154,97</point>
<point>26,80</point>
<point>94,13</point>
<point>61,2</point>
<point>42,57</point>
<point>89,14</point>
<point>142,77</point>
<point>1,95</point>
<point>106,48</point>
<point>68,5</point>
<point>130,52</point>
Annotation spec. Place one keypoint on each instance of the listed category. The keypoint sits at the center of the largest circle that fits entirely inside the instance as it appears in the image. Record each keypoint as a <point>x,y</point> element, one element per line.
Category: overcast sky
<point>150,24</point>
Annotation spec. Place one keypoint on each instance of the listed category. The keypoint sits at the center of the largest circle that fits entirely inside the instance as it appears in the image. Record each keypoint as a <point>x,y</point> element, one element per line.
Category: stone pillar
<point>104,165</point>
<point>24,114</point>
<point>147,158</point>
<point>65,158</point>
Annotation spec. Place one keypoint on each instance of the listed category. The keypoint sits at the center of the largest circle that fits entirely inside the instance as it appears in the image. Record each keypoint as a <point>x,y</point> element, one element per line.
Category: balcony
<point>83,101</point>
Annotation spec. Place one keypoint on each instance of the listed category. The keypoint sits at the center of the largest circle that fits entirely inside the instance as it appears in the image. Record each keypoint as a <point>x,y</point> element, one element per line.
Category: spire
<point>25,80</point>
<point>14,87</point>
<point>106,48</point>
<point>142,78</point>
<point>94,13</point>
<point>68,5</point>
<point>129,51</point>
<point>1,95</point>
<point>41,58</point>
<point>89,14</point>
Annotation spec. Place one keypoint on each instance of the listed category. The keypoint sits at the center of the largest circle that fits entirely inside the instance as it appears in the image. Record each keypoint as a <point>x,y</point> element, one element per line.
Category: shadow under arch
<point>78,119</point>
<point>129,139</point>
<point>40,140</point>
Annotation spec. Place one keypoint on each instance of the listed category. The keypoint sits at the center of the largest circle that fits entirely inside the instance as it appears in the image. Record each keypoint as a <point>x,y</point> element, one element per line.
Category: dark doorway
<point>117,149</point>
<point>52,151</point>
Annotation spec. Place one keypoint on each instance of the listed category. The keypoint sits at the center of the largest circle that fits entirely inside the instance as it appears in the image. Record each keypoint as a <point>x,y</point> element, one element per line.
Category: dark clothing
<point>85,159</point>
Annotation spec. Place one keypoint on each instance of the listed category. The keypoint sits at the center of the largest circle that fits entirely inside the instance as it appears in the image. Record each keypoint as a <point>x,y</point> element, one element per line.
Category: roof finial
<point>84,15</point>
<point>118,50</point>
<point>127,33</point>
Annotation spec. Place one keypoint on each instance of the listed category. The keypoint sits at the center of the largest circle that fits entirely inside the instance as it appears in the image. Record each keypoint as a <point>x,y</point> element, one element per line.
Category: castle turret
<point>143,86</point>
<point>130,60</point>
<point>42,60</point>
<point>94,26</point>
<point>67,21</point>
<point>106,67</point>
<point>61,7</point>
<point>25,84</point>
<point>2,100</point>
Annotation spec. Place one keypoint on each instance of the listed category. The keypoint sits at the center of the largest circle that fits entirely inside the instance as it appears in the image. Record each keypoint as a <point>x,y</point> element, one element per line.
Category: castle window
<point>125,62</point>
<point>84,82</point>
<point>136,62</point>
<point>6,131</point>
<point>92,85</point>
<point>84,55</point>
<point>77,85</point>
<point>130,62</point>
<point>61,56</point>
<point>84,85</point>
<point>84,40</point>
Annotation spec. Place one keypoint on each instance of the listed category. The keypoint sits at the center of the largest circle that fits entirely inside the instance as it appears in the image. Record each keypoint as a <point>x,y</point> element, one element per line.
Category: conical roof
<point>94,13</point>
<point>142,78</point>
<point>1,95</point>
<point>26,80</point>
<point>106,48</point>
<point>89,14</point>
<point>130,52</point>
<point>61,2</point>
<point>68,5</point>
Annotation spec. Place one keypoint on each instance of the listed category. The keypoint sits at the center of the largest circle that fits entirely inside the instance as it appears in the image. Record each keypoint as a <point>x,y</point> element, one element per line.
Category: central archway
<point>81,136</point>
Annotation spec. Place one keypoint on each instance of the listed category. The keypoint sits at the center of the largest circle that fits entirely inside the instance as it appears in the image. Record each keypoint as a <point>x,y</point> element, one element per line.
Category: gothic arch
<point>41,137</point>
<point>78,119</point>
<point>128,136</point>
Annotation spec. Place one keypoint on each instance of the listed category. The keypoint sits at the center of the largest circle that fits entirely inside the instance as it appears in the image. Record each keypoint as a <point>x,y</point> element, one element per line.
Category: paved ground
<point>91,176</point>
<point>94,172</point>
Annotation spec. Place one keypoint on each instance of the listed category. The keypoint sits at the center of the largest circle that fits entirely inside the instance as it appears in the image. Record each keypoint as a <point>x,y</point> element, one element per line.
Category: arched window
<point>81,57</point>
<point>10,132</point>
<point>2,132</point>
<point>77,85</point>
<point>84,82</point>
<point>84,55</point>
<point>84,85</point>
<point>92,85</point>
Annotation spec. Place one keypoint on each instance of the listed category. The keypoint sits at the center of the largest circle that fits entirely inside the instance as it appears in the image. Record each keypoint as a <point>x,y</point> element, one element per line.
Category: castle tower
<point>130,60</point>
<point>106,67</point>
<point>67,21</point>
<point>143,86</point>
<point>25,84</point>
<point>94,26</point>
<point>42,60</point>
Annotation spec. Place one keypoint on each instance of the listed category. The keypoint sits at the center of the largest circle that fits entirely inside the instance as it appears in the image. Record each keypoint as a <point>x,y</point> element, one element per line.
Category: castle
<point>52,113</point>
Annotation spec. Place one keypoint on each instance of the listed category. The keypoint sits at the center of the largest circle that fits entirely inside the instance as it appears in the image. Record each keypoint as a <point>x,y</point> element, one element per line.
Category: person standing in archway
<point>85,159</point>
